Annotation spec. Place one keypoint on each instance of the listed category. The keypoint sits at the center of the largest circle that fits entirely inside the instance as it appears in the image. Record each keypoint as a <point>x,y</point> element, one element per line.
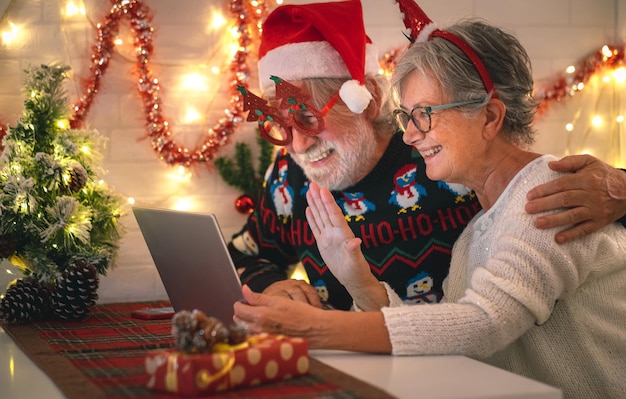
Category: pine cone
<point>195,332</point>
<point>8,245</point>
<point>75,292</point>
<point>78,178</point>
<point>25,301</point>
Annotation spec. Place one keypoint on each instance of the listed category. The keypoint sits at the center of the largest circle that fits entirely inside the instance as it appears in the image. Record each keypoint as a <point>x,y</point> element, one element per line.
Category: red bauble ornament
<point>244,204</point>
<point>3,132</point>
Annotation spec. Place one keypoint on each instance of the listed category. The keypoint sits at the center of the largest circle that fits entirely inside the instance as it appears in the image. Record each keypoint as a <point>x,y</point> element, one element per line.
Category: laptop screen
<point>191,256</point>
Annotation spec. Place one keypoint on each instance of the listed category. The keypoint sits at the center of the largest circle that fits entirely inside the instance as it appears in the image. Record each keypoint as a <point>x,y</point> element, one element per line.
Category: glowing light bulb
<point>569,127</point>
<point>234,32</point>
<point>182,175</point>
<point>215,70</point>
<point>72,8</point>
<point>118,42</point>
<point>84,149</point>
<point>619,119</point>
<point>10,36</point>
<point>131,200</point>
<point>587,151</point>
<point>298,273</point>
<point>570,69</point>
<point>218,21</point>
<point>194,81</point>
<point>619,74</point>
<point>606,51</point>
<point>182,204</point>
<point>192,115</point>
<point>596,121</point>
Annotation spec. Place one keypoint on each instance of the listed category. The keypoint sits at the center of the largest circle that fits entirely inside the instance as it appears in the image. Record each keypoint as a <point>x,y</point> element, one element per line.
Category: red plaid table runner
<point>103,357</point>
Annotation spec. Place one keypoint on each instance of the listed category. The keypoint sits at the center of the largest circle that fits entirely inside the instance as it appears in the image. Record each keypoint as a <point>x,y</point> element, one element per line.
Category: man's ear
<point>495,110</point>
<point>374,107</point>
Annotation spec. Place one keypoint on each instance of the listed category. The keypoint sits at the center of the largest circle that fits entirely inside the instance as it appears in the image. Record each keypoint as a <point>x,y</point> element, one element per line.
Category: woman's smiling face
<point>454,141</point>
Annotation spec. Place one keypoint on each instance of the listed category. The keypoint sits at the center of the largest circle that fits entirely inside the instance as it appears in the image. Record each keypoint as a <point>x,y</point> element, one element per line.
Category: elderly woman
<point>514,297</point>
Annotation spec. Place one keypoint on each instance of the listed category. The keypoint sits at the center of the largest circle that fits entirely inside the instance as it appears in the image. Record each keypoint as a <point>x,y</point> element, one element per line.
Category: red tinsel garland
<point>157,126</point>
<point>569,84</point>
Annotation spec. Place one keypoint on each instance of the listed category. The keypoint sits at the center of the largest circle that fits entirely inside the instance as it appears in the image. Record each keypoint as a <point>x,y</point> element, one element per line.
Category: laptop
<point>191,256</point>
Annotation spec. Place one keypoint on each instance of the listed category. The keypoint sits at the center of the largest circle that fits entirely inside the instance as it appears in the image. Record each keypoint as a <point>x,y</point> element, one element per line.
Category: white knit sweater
<point>516,299</point>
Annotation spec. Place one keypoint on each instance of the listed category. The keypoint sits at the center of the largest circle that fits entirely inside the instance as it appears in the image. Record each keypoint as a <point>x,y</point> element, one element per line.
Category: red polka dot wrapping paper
<point>265,358</point>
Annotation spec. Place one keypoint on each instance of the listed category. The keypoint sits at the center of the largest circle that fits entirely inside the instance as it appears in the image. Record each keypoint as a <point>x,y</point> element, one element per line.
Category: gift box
<point>261,359</point>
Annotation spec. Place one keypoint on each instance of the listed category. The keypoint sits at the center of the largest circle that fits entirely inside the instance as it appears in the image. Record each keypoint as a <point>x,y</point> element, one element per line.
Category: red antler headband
<point>422,29</point>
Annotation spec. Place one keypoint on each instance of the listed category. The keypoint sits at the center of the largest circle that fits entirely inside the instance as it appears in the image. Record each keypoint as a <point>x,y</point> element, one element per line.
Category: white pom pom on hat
<point>355,95</point>
<point>319,40</point>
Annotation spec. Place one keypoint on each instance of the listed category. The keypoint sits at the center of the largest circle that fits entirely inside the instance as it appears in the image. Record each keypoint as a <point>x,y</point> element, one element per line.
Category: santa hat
<point>319,40</point>
<point>421,29</point>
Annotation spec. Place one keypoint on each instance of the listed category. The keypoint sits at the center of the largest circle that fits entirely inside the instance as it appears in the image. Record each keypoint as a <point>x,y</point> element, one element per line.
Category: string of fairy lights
<point>596,125</point>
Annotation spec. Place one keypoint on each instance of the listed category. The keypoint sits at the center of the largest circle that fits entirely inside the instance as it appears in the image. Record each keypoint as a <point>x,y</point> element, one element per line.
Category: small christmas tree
<point>59,224</point>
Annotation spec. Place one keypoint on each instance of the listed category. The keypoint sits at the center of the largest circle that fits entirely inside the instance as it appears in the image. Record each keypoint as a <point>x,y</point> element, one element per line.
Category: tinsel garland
<point>569,84</point>
<point>158,128</point>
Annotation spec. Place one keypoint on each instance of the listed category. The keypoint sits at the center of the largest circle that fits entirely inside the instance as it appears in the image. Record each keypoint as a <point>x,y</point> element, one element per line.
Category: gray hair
<point>504,57</point>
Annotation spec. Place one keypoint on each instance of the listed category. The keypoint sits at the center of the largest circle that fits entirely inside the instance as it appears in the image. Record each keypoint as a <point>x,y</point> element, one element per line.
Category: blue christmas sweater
<point>408,225</point>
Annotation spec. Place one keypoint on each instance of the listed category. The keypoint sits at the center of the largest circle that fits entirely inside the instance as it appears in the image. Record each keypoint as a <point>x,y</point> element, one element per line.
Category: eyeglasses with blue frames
<point>421,116</point>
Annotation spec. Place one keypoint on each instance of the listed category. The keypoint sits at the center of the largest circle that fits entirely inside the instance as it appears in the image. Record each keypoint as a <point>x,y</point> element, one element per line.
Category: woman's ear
<point>494,118</point>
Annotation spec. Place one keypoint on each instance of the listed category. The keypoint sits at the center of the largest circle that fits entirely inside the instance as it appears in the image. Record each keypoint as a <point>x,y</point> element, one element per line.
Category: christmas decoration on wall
<point>594,123</point>
<point>576,76</point>
<point>241,174</point>
<point>158,128</point>
<point>59,222</point>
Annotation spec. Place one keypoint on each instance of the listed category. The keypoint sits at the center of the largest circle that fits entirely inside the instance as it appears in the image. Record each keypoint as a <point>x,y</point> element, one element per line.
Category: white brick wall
<point>556,34</point>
